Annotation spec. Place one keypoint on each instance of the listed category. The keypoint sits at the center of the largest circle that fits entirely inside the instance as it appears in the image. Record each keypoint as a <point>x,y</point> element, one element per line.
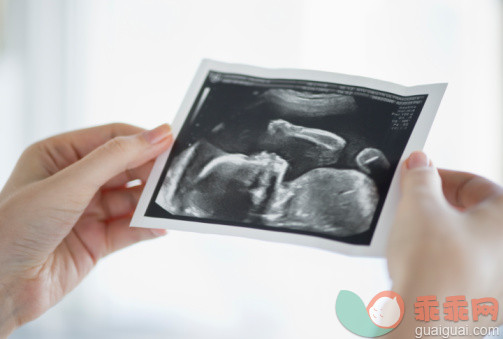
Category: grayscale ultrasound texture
<point>284,155</point>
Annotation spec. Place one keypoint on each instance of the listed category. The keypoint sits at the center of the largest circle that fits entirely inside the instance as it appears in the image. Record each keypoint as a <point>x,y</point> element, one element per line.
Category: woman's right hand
<point>447,240</point>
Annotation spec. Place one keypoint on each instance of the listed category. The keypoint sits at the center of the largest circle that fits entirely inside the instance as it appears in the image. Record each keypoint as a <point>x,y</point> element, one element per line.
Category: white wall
<point>423,41</point>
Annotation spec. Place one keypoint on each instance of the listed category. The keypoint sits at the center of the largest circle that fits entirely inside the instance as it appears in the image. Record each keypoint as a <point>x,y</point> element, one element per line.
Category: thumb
<point>79,182</point>
<point>421,184</point>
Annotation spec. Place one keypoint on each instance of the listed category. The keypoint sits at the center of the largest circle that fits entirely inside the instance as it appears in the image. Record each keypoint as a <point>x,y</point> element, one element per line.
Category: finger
<point>118,203</point>
<point>81,142</point>
<point>75,186</point>
<point>464,190</point>
<point>119,155</point>
<point>421,185</point>
<point>140,173</point>
<point>60,151</point>
<point>94,240</point>
<point>120,235</point>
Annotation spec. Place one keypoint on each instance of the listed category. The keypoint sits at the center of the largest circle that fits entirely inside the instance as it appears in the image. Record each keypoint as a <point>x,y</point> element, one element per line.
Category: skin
<point>446,240</point>
<point>65,206</point>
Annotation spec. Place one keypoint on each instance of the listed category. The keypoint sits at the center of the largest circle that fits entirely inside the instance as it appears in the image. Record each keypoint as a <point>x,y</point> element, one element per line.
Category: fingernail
<point>417,160</point>
<point>158,134</point>
<point>158,232</point>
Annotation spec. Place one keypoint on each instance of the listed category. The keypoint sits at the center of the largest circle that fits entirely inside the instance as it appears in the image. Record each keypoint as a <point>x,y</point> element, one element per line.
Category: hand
<point>65,206</point>
<point>446,239</point>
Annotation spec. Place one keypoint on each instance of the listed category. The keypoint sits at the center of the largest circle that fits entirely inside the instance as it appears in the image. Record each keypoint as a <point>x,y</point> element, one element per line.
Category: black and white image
<point>283,155</point>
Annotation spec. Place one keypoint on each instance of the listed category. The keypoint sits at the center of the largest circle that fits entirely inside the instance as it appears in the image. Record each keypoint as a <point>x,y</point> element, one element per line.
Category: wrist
<point>413,322</point>
<point>7,312</point>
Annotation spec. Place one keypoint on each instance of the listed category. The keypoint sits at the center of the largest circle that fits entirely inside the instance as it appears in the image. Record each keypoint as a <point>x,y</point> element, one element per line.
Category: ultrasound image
<point>282,155</point>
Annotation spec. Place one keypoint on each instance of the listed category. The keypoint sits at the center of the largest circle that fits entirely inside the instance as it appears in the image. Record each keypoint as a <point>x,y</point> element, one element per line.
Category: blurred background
<point>66,64</point>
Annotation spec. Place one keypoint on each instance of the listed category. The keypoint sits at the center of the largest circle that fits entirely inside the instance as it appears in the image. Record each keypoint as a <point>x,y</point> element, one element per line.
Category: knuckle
<point>498,199</point>
<point>422,181</point>
<point>118,126</point>
<point>35,149</point>
<point>117,145</point>
<point>418,177</point>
